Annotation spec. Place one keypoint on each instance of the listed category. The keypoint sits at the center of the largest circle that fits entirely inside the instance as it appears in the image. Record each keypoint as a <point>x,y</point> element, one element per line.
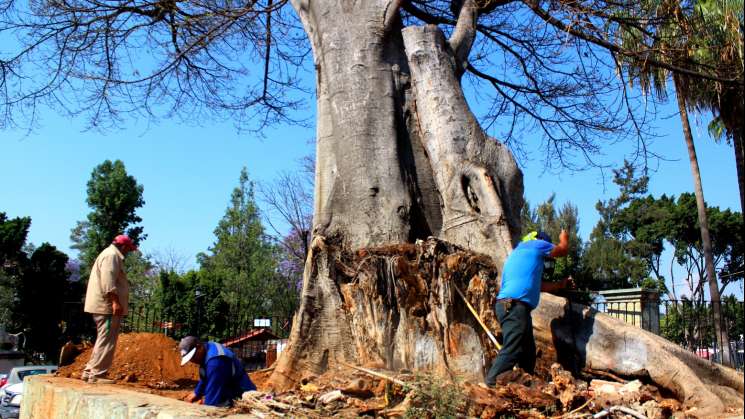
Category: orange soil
<point>143,359</point>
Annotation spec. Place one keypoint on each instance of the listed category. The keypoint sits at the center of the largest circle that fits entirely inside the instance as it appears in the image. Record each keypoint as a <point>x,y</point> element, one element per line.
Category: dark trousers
<point>518,345</point>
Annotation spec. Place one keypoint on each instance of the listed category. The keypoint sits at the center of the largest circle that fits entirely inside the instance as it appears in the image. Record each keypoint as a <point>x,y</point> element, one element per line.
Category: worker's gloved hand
<point>191,398</point>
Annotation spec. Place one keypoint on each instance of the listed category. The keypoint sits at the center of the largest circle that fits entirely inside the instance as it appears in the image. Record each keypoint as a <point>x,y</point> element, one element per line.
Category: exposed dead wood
<point>605,374</point>
<point>402,312</point>
<point>376,374</point>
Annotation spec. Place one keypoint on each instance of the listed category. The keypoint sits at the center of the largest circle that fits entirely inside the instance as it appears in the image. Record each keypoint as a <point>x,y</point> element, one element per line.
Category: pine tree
<point>243,258</point>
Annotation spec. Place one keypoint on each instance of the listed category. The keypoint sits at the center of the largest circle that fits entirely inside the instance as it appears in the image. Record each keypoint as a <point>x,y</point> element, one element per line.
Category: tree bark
<point>716,306</point>
<point>414,199</point>
<point>739,162</point>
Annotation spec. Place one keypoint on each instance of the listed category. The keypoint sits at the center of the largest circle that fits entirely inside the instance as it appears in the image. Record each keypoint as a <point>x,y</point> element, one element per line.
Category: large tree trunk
<point>401,158</point>
<point>716,306</point>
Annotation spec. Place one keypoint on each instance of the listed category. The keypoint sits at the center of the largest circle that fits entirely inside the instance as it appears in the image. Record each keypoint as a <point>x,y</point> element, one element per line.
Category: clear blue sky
<point>188,173</point>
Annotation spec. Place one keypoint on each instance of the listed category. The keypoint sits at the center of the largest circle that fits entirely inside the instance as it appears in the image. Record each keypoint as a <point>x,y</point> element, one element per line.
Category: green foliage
<point>193,300</point>
<point>13,234</point>
<point>176,298</point>
<point>716,129</point>
<point>143,279</point>
<point>114,197</point>
<point>689,323</point>
<point>733,312</point>
<point>433,397</point>
<point>212,317</point>
<point>546,218</point>
<point>40,306</point>
<point>725,229</point>
<point>239,279</point>
<point>13,260</point>
<point>626,245</point>
<point>33,282</point>
<point>610,260</point>
<point>243,259</point>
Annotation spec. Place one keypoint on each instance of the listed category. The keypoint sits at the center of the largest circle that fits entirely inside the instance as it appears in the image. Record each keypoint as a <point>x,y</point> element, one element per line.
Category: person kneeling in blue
<point>222,378</point>
<point>518,295</point>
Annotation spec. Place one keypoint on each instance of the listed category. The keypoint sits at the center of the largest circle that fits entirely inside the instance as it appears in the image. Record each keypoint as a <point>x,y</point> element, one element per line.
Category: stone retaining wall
<point>47,397</point>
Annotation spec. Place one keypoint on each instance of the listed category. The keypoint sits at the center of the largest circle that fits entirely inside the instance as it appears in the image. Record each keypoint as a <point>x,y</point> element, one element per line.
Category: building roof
<point>253,335</point>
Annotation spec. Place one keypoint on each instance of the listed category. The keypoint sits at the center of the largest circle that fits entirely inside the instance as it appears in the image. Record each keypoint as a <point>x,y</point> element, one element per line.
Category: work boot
<point>100,380</point>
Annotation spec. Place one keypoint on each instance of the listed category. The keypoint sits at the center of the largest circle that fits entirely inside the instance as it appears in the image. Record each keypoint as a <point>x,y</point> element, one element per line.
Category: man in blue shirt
<point>221,375</point>
<point>519,295</point>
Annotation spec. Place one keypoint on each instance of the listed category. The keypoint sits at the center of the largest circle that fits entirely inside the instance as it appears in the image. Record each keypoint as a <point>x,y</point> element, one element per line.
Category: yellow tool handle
<point>486,329</point>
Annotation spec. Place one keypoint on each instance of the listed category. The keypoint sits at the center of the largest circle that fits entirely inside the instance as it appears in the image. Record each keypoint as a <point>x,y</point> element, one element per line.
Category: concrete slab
<point>47,397</point>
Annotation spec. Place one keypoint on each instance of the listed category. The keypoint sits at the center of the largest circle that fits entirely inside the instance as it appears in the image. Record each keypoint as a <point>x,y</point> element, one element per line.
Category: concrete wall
<point>46,397</point>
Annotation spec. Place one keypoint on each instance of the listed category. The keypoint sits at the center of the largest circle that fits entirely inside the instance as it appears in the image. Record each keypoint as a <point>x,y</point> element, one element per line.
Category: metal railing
<point>155,320</point>
<point>689,324</point>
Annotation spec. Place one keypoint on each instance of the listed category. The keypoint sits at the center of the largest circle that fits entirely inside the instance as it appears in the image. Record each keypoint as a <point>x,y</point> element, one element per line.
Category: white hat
<point>188,347</point>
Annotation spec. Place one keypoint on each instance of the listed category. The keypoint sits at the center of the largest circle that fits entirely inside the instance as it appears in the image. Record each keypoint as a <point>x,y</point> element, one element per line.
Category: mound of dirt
<point>144,359</point>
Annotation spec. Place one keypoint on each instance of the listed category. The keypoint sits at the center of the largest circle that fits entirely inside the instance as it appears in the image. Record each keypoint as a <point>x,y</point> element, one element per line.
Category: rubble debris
<point>361,388</point>
<point>331,397</point>
<point>631,412</point>
<point>309,388</point>
<point>570,392</point>
<point>377,374</point>
<point>609,392</point>
<point>151,363</point>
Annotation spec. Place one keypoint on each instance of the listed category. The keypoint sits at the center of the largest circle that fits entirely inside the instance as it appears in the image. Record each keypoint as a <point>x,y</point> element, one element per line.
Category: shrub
<point>432,397</point>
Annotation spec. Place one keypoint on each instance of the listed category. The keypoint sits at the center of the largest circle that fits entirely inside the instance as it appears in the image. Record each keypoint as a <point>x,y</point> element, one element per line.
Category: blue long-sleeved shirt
<point>216,386</point>
<point>217,383</point>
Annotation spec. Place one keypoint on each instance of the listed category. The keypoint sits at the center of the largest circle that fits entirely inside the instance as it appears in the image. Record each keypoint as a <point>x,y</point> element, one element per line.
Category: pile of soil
<point>148,360</point>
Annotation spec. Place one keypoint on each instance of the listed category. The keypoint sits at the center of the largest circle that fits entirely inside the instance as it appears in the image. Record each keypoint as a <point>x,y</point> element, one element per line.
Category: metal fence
<point>153,320</point>
<point>689,324</point>
<point>79,325</point>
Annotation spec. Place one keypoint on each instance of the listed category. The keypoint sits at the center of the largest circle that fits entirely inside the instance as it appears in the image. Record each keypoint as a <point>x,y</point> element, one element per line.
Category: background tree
<point>718,41</point>
<point>400,155</point>
<point>13,262</point>
<point>726,239</point>
<point>644,224</point>
<point>177,300</point>
<point>290,197</point>
<point>43,283</point>
<point>685,36</point>
<point>169,259</point>
<point>142,275</point>
<point>607,260</point>
<point>113,197</point>
<point>546,218</point>
<point>243,256</point>
<point>29,281</point>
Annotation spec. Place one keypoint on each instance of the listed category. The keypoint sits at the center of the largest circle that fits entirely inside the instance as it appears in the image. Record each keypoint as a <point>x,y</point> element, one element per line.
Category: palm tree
<point>721,35</point>
<point>683,37</point>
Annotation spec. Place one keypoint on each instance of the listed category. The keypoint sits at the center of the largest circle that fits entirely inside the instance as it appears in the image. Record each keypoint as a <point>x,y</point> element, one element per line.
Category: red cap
<point>124,240</point>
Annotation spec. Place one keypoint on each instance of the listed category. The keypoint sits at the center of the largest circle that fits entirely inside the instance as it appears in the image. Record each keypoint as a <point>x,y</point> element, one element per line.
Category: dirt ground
<point>150,363</point>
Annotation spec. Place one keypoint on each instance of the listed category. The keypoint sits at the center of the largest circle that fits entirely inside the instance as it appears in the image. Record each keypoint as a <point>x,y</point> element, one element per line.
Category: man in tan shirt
<point>107,299</point>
